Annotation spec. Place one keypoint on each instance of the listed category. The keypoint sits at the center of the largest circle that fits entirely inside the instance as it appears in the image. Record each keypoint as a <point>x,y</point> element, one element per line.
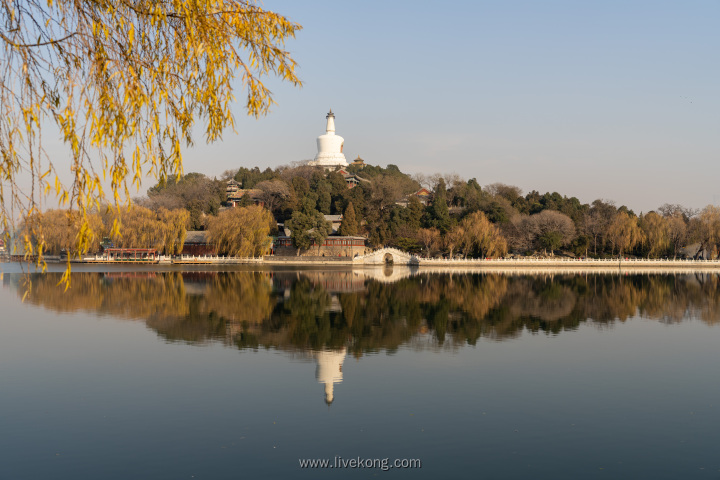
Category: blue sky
<point>615,100</point>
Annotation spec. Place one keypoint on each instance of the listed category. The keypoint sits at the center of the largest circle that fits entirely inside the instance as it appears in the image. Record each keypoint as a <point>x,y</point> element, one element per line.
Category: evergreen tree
<point>439,211</point>
<point>308,227</point>
<point>308,203</point>
<point>416,210</point>
<point>324,202</point>
<point>299,225</point>
<point>473,196</point>
<point>321,229</point>
<point>349,225</point>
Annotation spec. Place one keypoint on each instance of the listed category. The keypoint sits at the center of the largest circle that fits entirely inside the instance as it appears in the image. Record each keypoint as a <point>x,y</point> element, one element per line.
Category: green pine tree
<point>307,228</point>
<point>299,225</point>
<point>349,225</point>
<point>439,211</point>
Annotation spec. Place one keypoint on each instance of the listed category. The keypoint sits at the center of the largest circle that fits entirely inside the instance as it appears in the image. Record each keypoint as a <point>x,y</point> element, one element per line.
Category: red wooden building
<point>135,255</point>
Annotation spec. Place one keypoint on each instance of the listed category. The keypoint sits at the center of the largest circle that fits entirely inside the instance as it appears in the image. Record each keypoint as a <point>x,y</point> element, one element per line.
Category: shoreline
<point>371,261</point>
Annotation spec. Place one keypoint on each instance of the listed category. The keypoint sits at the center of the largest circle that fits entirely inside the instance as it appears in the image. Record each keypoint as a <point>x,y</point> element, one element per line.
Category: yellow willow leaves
<point>57,231</point>
<point>656,233</point>
<point>477,299</point>
<point>125,76</point>
<point>240,296</point>
<point>163,230</point>
<point>481,237</point>
<point>624,232</point>
<point>241,232</point>
<point>126,297</point>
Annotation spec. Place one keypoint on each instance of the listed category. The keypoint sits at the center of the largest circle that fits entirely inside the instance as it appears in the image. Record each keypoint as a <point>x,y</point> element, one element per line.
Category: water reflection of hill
<point>333,310</point>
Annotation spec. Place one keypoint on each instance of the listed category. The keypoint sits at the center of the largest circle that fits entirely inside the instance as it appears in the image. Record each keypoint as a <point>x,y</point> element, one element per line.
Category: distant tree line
<point>466,219</point>
<point>461,219</point>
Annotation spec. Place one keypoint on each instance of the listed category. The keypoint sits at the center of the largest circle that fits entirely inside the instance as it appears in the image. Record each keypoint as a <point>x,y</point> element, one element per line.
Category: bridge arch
<point>387,256</point>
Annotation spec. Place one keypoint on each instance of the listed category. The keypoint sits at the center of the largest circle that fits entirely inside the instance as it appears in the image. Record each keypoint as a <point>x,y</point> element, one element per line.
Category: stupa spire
<point>330,129</point>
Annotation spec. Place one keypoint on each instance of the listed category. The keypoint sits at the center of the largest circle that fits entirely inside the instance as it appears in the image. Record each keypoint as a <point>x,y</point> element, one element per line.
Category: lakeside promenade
<point>391,256</point>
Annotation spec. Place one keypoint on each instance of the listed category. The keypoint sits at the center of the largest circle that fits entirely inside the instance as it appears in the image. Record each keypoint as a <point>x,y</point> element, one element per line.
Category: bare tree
<point>430,238</point>
<point>422,179</point>
<point>677,233</point>
<point>297,169</point>
<point>160,201</point>
<point>676,210</point>
<point>453,180</point>
<point>594,225</point>
<point>521,233</point>
<point>705,229</point>
<point>596,221</point>
<point>228,175</point>
<point>388,189</point>
<point>273,193</point>
<point>554,229</point>
<point>508,192</point>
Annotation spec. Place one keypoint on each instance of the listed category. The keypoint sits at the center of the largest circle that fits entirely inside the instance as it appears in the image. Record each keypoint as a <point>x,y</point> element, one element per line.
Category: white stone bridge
<point>387,256</point>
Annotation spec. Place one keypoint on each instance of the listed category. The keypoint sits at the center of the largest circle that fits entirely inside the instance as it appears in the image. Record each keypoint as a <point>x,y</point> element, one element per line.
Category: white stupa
<point>330,147</point>
<point>329,370</point>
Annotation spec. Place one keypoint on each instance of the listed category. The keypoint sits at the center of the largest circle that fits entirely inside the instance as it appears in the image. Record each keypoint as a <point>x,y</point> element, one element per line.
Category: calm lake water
<point>208,374</point>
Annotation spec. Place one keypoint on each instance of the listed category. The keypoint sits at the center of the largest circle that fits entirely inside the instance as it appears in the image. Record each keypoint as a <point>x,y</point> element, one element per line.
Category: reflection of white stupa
<point>330,147</point>
<point>329,370</point>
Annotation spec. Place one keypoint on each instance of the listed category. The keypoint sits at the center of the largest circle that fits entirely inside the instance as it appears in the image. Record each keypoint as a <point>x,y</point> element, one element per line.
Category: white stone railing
<point>215,259</point>
<point>180,258</point>
<point>400,258</point>
<point>568,261</point>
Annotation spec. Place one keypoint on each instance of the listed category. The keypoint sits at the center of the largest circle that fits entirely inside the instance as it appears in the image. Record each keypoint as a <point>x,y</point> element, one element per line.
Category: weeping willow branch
<point>124,83</point>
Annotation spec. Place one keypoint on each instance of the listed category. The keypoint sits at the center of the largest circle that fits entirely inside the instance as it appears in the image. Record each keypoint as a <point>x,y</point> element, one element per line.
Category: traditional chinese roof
<point>196,236</point>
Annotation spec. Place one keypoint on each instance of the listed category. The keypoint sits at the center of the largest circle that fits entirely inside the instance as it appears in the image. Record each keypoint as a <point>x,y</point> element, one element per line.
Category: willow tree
<point>175,231</point>
<point>454,239</point>
<point>624,233</point>
<point>482,238</point>
<point>57,229</point>
<point>123,83</point>
<point>241,231</point>
<point>163,230</point>
<point>656,233</point>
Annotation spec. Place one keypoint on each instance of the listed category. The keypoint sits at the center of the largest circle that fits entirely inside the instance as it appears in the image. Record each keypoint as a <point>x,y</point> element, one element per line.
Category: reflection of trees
<point>135,296</point>
<point>162,301</point>
<point>239,296</point>
<point>707,299</point>
<point>315,311</point>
